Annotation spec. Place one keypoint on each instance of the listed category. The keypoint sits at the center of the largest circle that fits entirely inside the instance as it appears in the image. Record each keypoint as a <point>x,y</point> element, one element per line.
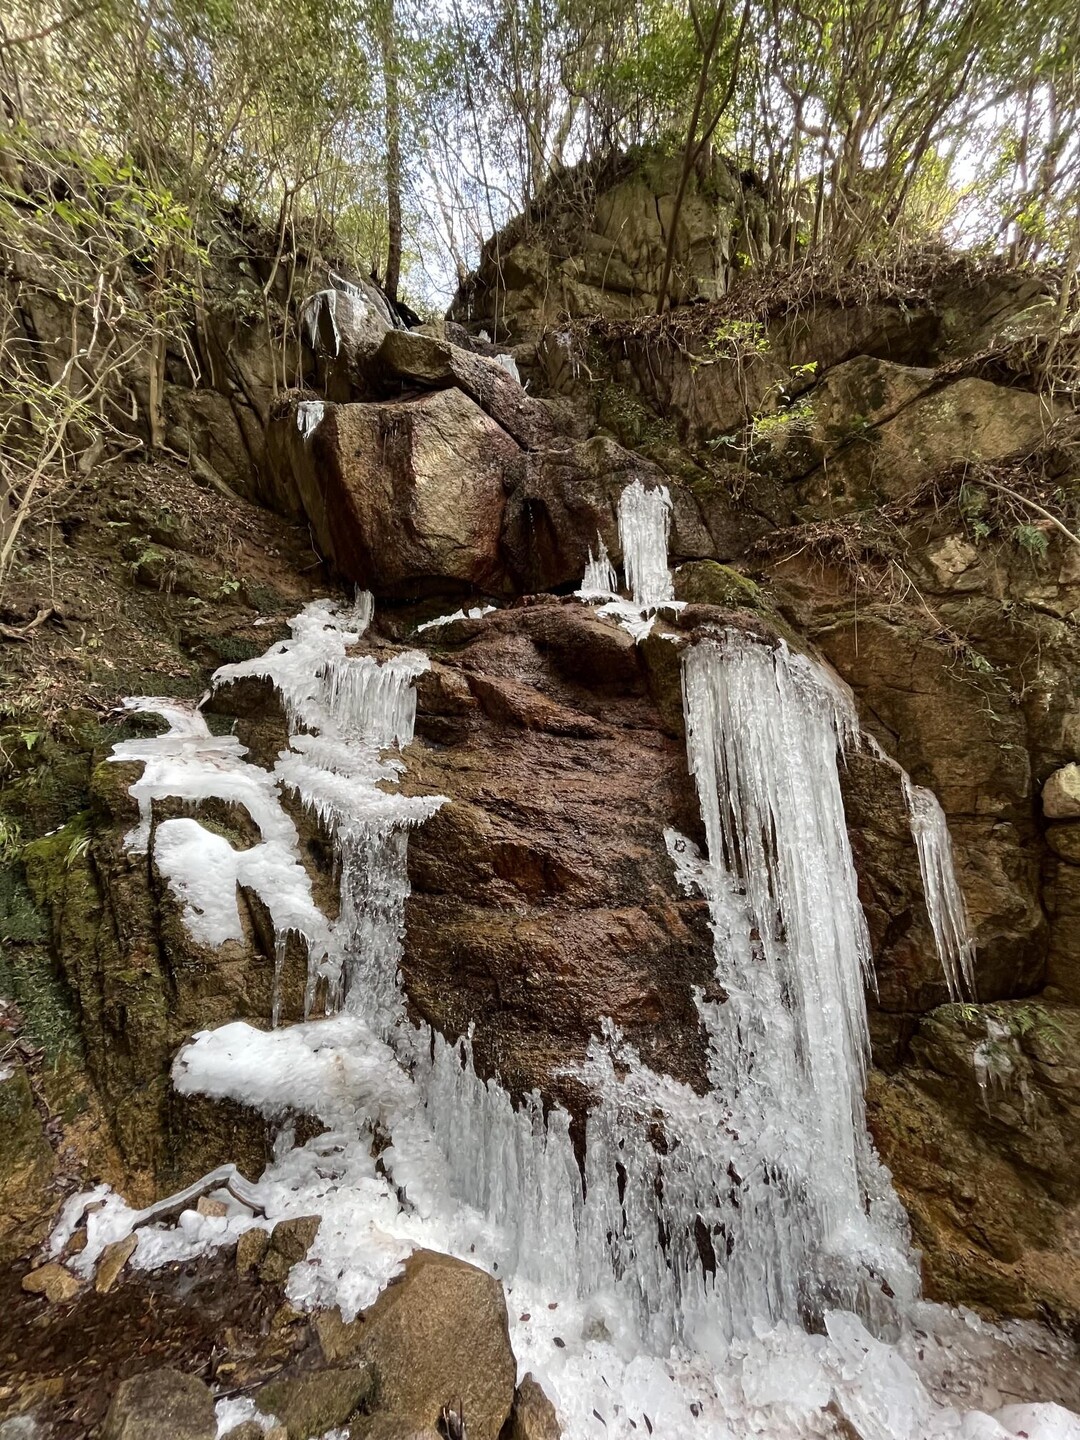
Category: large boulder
<point>403,497</point>
<point>436,1337</point>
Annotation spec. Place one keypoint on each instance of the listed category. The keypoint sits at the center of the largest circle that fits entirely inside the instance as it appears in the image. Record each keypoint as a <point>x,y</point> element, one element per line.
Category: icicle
<point>281,942</point>
<point>944,899</point>
<point>600,581</point>
<point>372,700</point>
<point>644,522</point>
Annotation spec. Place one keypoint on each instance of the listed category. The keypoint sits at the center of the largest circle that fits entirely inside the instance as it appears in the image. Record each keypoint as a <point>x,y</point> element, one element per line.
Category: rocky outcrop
<point>980,1129</point>
<point>27,1165</point>
<point>595,243</point>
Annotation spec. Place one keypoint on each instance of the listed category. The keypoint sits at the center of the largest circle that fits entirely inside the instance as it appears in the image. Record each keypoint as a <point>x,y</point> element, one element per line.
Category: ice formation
<point>309,416</point>
<point>600,581</point>
<point>475,612</point>
<point>659,1288</point>
<point>351,708</point>
<point>644,523</point>
<point>944,900</point>
<point>509,364</point>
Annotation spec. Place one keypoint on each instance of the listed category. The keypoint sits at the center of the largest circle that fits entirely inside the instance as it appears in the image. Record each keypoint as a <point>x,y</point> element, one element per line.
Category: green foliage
<point>1031,539</point>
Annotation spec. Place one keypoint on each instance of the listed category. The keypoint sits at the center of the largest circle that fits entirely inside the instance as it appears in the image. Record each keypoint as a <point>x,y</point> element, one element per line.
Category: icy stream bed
<point>751,1277</point>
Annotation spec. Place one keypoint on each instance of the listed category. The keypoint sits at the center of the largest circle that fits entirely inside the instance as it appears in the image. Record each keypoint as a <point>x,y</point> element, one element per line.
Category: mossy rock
<point>705,582</point>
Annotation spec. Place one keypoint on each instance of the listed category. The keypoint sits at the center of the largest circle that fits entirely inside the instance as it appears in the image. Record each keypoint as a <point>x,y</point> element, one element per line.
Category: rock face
<point>26,1164</point>
<point>543,898</point>
<point>980,1130</point>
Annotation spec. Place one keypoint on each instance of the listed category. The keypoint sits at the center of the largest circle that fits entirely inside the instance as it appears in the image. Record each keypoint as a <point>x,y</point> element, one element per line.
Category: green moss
<point>21,922</point>
<point>48,860</point>
<point>705,582</point>
<point>629,419</point>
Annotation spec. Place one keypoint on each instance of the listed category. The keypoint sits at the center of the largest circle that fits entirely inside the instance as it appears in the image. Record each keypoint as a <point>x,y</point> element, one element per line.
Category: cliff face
<point>867,471</point>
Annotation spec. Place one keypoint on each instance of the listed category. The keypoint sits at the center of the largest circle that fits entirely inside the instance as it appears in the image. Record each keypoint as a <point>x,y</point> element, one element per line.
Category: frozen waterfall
<point>707,1263</point>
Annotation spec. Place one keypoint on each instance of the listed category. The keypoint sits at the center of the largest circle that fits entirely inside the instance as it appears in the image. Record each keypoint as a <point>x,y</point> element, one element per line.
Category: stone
<point>290,1240</point>
<point>207,1205</point>
<point>439,1334</point>
<point>248,1430</point>
<point>342,332</point>
<point>338,1339</point>
<point>405,359</point>
<point>161,1405</point>
<point>387,1426</point>
<point>113,1259</point>
<point>403,497</point>
<point>251,1248</point>
<point>1064,841</point>
<point>310,1405</point>
<point>704,582</point>
<point>54,1281</point>
<point>533,1416</point>
<point>1061,794</point>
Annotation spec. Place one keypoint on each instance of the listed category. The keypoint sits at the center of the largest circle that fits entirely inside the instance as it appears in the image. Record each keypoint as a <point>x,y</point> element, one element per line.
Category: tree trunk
<point>393,152</point>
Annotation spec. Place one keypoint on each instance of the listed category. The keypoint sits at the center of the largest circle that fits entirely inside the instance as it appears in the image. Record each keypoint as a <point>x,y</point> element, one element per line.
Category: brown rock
<point>1064,841</point>
<point>26,1163</point>
<point>113,1259</point>
<point>542,896</point>
<point>290,1240</point>
<point>54,1281</point>
<point>386,1426</point>
<point>248,1430</point>
<point>403,496</point>
<point>161,1403</point>
<point>313,1404</point>
<point>337,1339</point>
<point>410,359</point>
<point>438,1334</point>
<point>967,420</point>
<point>207,1205</point>
<point>251,1249</point>
<point>1061,794</point>
<point>533,1416</point>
